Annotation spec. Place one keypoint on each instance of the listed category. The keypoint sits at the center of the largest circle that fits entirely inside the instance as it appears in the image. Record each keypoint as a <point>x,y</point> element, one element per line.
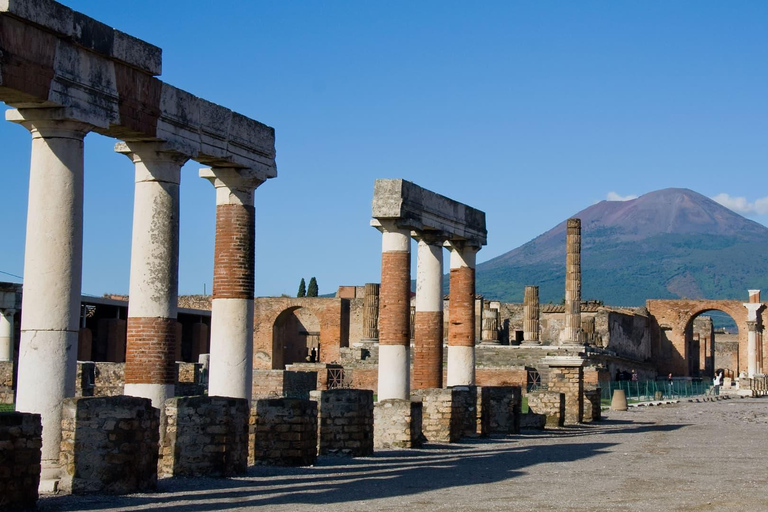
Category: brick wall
<point>345,422</point>
<point>20,442</point>
<point>283,432</point>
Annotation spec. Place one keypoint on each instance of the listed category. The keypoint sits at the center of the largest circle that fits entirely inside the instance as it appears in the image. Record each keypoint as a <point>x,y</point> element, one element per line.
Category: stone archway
<point>295,337</point>
<point>672,321</point>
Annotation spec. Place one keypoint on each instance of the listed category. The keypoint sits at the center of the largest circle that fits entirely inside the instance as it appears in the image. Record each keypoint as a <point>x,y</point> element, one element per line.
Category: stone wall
<point>283,432</point>
<point>727,352</point>
<point>448,413</point>
<point>592,410</point>
<point>549,403</point>
<point>629,334</point>
<point>397,424</point>
<point>20,442</point>
<point>109,445</point>
<point>283,384</point>
<point>569,380</point>
<point>205,436</point>
<point>6,382</point>
<point>99,379</point>
<point>345,422</point>
<point>189,380</point>
<point>356,320</point>
<point>504,403</point>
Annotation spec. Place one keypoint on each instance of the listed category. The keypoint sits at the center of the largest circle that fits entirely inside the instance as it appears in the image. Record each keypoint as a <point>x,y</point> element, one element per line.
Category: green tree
<point>312,290</point>
<point>302,289</point>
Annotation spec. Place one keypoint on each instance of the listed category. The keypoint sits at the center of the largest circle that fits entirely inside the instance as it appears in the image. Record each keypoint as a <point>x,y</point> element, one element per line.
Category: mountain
<point>667,244</point>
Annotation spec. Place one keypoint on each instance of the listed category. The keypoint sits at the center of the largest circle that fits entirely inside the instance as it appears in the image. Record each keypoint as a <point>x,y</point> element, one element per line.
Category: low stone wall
<point>344,421</point>
<point>189,380</point>
<point>109,445</point>
<point>20,442</point>
<point>283,432</point>
<point>6,382</point>
<point>504,403</point>
<point>569,380</point>
<point>549,403</point>
<point>205,436</point>
<point>592,410</point>
<point>448,413</point>
<point>397,424</point>
<point>283,384</point>
<point>99,379</point>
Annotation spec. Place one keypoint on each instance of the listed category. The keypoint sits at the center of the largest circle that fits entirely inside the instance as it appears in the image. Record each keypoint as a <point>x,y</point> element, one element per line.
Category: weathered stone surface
<point>205,436</point>
<point>283,384</point>
<point>592,410</point>
<point>20,442</point>
<point>283,432</point>
<point>397,424</point>
<point>6,382</point>
<point>566,375</point>
<point>345,422</point>
<point>550,404</point>
<point>109,445</point>
<point>503,409</point>
<point>449,413</point>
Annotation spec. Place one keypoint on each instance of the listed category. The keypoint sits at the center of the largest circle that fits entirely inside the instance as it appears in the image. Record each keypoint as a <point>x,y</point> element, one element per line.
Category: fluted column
<point>371,313</point>
<point>231,361</point>
<point>753,308</point>
<point>571,332</point>
<point>154,281</point>
<point>428,334</point>
<point>53,259</point>
<point>6,334</point>
<point>531,316</point>
<point>394,312</point>
<point>461,316</point>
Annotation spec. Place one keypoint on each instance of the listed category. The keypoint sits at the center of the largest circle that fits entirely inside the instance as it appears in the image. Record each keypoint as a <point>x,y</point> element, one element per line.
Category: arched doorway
<point>295,338</point>
<point>712,342</point>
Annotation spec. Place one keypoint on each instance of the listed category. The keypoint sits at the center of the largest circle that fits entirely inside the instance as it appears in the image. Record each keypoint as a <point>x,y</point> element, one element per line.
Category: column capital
<point>390,226</point>
<point>753,308</point>
<point>429,238</point>
<point>155,161</point>
<point>233,185</point>
<point>49,122</point>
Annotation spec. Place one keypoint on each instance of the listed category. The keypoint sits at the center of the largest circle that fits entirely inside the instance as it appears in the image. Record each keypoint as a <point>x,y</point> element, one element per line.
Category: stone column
<point>571,332</point>
<point>154,283</point>
<point>428,335</point>
<point>53,259</point>
<point>531,316</point>
<point>753,308</point>
<point>461,313</point>
<point>394,312</point>
<point>231,363</point>
<point>489,321</point>
<point>6,334</point>
<point>371,313</point>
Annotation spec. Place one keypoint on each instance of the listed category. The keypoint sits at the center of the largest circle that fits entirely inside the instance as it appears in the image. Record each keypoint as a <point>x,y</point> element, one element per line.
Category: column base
<point>530,343</point>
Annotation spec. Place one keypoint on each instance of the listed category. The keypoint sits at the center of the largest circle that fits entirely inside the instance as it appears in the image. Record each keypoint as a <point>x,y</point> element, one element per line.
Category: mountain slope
<point>671,243</point>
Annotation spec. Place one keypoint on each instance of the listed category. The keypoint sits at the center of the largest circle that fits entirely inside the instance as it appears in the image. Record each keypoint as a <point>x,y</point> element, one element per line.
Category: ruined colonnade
<point>754,334</point>
<point>402,210</point>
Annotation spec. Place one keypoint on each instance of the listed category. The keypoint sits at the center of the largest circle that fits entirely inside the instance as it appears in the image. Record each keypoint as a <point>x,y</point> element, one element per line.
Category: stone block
<point>592,405</point>
<point>270,420</point>
<point>20,442</point>
<point>549,403</point>
<point>205,436</point>
<point>448,413</point>
<point>504,403</point>
<point>345,422</point>
<point>397,424</point>
<point>109,445</point>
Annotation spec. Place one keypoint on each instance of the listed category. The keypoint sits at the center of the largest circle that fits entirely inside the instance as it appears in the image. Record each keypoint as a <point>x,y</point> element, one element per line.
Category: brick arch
<point>332,314</point>
<point>671,321</point>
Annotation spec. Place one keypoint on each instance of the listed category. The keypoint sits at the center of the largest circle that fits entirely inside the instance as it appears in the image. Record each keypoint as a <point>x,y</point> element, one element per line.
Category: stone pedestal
<point>448,414</point>
<point>345,422</point>
<point>397,424</point>
<point>592,405</point>
<point>551,404</point>
<point>283,432</point>
<point>566,375</point>
<point>20,442</point>
<point>503,409</point>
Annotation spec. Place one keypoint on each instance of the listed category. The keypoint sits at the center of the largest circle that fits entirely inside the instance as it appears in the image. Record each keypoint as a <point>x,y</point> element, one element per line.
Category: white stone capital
<point>49,122</point>
<point>753,308</point>
<point>233,185</point>
<point>462,255</point>
<point>393,237</point>
<point>154,161</point>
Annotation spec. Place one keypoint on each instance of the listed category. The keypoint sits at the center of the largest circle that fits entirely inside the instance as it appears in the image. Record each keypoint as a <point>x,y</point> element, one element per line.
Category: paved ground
<point>688,456</point>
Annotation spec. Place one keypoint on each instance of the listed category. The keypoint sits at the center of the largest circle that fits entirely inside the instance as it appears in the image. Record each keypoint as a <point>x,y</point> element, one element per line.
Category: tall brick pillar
<point>461,316</point>
<point>154,282</point>
<point>428,333</point>
<point>394,312</point>
<point>53,261</point>
<point>231,364</point>
<point>754,306</point>
<point>531,316</point>
<point>571,332</point>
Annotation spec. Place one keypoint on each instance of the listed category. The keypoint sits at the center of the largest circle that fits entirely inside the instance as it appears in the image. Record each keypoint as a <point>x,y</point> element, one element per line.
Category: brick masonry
<point>109,445</point>
<point>283,432</point>
<point>233,257</point>
<point>345,422</point>
<point>151,350</point>
<point>397,424</point>
<point>569,380</point>
<point>461,330</point>
<point>395,299</point>
<point>20,442</point>
<point>592,411</point>
<point>428,350</point>
<point>205,436</point>
<point>549,403</point>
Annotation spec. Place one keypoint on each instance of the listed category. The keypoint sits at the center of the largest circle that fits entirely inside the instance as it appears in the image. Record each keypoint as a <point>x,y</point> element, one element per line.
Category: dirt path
<point>689,456</point>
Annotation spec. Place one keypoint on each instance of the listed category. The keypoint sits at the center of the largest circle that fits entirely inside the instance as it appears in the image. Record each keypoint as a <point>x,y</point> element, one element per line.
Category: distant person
<point>717,382</point>
<point>618,375</point>
<point>634,376</point>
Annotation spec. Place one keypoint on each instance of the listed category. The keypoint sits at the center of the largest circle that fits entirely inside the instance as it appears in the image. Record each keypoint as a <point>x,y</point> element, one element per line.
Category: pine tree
<point>312,290</point>
<point>302,289</point>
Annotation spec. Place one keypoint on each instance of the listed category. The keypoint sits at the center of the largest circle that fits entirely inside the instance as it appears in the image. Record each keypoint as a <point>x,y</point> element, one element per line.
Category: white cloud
<point>741,205</point>
<point>613,196</point>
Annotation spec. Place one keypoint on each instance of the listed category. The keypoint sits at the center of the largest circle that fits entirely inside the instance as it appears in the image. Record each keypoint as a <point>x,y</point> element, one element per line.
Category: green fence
<point>647,390</point>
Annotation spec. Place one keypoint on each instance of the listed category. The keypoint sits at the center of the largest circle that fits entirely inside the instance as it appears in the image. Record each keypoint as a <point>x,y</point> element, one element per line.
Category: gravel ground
<point>687,456</point>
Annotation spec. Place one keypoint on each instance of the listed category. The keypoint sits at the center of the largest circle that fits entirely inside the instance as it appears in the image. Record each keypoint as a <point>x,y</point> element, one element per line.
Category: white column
<point>6,334</point>
<point>461,328</point>
<point>53,259</point>
<point>231,357</point>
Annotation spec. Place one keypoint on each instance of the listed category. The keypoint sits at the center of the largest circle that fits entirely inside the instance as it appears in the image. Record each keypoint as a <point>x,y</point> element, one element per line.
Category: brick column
<point>6,334</point>
<point>531,316</point>
<point>394,312</point>
<point>461,316</point>
<point>154,283</point>
<point>231,364</point>
<point>53,260</point>
<point>428,334</point>
<point>572,330</point>
<point>753,308</point>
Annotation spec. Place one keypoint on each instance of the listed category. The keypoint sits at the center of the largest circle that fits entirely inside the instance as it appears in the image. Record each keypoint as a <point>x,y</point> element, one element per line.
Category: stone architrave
<point>572,331</point>
<point>371,313</point>
<point>754,307</point>
<point>531,316</point>
<point>154,282</point>
<point>461,305</point>
<point>428,318</point>
<point>52,271</point>
<point>231,355</point>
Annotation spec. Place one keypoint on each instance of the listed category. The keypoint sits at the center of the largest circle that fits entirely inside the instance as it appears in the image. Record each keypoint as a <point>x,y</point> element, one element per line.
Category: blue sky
<point>530,111</point>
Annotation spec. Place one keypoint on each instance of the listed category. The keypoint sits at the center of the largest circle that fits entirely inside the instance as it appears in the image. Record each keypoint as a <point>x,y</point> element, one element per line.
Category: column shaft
<point>150,367</point>
<point>571,332</point>
<point>428,334</point>
<point>461,314</point>
<point>394,314</point>
<point>531,315</point>
<point>52,272</point>
<point>6,334</point>
<point>371,312</point>
<point>751,349</point>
